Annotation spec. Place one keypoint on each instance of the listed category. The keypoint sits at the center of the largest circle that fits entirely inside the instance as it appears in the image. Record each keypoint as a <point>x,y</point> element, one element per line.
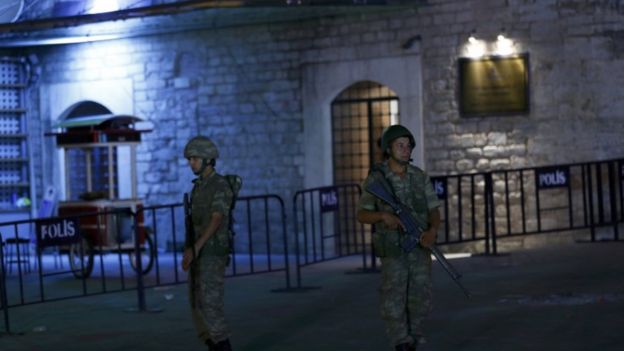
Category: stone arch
<point>322,82</point>
<point>359,114</point>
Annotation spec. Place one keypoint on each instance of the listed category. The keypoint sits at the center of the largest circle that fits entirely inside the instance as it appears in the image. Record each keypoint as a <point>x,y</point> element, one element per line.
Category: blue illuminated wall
<point>242,87</point>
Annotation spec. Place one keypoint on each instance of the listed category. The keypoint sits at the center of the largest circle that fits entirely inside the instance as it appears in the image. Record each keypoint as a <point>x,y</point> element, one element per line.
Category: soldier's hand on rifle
<point>392,221</point>
<point>187,259</point>
<point>428,238</point>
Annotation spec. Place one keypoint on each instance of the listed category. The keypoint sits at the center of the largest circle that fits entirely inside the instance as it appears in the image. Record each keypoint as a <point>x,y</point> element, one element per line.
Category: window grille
<point>14,160</point>
<point>359,115</point>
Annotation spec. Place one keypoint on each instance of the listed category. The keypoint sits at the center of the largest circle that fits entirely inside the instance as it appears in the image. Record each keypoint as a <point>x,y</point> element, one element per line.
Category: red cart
<point>99,158</point>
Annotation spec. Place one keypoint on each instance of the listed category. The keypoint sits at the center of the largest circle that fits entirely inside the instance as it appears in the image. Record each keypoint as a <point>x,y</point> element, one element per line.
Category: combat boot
<point>404,347</point>
<point>223,345</point>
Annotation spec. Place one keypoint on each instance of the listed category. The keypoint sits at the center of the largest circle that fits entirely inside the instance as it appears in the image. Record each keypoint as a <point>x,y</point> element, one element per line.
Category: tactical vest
<point>387,241</point>
<point>220,243</point>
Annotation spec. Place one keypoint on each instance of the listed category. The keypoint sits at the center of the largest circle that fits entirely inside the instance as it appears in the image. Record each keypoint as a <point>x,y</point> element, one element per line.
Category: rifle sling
<point>386,184</point>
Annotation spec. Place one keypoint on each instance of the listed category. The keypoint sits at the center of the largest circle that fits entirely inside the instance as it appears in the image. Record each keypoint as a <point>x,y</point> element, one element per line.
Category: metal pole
<point>493,212</point>
<point>599,190</point>
<point>537,205</point>
<point>460,212</point>
<point>297,259</point>
<point>507,206</point>
<point>486,198</point>
<point>267,231</point>
<point>139,265</point>
<point>285,235</point>
<point>249,237</point>
<point>522,202</point>
<point>591,203</point>
<point>3,293</point>
<point>613,201</point>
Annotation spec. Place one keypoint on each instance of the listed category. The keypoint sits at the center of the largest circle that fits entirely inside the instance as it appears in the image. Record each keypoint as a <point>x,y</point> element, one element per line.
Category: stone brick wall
<point>241,87</point>
<point>575,59</point>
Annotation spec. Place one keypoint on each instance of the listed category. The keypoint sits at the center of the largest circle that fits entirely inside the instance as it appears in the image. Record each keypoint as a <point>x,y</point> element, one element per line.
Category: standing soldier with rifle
<point>406,274</point>
<point>207,244</point>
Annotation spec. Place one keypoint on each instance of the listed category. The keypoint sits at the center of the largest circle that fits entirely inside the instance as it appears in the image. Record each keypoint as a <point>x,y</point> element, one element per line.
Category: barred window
<point>14,160</point>
<point>359,115</point>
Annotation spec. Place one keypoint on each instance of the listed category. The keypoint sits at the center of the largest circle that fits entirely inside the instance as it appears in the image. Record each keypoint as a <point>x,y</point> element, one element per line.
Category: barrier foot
<point>9,334</point>
<point>146,310</point>
<point>300,289</point>
<point>367,270</point>
<point>599,241</point>
<point>498,254</point>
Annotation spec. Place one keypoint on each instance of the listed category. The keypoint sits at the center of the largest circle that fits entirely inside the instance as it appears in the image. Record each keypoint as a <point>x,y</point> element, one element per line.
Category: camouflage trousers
<point>405,293</point>
<point>207,310</point>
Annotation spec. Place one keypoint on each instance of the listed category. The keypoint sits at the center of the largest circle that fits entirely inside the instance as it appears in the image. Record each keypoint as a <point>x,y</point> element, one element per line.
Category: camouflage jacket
<point>414,190</point>
<point>212,194</point>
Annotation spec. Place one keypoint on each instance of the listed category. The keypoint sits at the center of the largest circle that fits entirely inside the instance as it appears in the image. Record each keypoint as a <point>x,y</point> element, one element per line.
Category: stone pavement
<point>564,297</point>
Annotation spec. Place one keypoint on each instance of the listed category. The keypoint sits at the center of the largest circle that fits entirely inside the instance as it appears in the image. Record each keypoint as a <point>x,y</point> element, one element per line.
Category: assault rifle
<point>412,230</point>
<point>189,236</point>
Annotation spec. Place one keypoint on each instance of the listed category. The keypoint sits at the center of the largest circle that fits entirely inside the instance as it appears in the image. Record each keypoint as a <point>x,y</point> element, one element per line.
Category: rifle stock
<point>412,230</point>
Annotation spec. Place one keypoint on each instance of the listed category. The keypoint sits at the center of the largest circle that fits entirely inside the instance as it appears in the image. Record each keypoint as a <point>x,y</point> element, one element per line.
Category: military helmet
<point>394,132</point>
<point>201,147</point>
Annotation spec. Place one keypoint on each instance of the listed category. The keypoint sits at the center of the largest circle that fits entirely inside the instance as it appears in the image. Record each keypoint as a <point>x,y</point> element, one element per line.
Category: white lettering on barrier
<point>553,179</point>
<point>329,199</point>
<point>58,230</point>
<point>438,187</point>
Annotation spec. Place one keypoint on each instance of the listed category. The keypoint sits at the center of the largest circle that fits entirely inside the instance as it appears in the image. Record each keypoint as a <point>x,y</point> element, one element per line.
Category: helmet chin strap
<point>205,164</point>
<point>401,162</point>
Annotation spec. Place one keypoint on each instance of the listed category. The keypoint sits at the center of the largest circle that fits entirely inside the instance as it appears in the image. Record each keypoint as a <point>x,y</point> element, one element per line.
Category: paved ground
<point>564,297</point>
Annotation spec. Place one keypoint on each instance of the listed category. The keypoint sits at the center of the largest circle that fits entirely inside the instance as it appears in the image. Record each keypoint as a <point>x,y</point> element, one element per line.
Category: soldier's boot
<point>210,344</point>
<point>223,345</point>
<point>405,347</point>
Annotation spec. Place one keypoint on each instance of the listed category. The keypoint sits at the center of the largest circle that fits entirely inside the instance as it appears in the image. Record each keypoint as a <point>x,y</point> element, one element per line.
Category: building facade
<point>270,91</point>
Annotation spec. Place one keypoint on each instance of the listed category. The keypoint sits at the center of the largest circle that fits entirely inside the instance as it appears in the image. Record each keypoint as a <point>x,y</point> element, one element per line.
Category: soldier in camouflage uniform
<point>208,256</point>
<point>405,289</point>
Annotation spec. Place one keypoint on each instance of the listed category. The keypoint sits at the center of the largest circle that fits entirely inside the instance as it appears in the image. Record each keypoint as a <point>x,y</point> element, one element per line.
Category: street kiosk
<point>98,154</point>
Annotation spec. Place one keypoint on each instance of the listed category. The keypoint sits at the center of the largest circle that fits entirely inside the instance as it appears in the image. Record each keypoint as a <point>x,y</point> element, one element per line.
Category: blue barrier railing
<point>326,226</point>
<point>105,256</point>
<point>479,207</point>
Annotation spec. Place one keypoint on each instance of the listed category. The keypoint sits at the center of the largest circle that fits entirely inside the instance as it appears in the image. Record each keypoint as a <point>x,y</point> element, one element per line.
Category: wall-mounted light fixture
<point>476,48</point>
<point>503,46</point>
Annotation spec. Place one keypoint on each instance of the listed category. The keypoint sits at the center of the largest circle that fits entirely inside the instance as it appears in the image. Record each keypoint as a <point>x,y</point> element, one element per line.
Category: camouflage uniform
<point>405,289</point>
<point>210,194</point>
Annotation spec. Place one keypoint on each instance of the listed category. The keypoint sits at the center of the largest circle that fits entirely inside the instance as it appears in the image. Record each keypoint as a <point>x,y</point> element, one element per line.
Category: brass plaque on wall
<point>494,86</point>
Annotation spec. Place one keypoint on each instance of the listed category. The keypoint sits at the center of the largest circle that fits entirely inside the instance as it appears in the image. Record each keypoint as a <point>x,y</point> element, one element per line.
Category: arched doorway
<point>359,115</point>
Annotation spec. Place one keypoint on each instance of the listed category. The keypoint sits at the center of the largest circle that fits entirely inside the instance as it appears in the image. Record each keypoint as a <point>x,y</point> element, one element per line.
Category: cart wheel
<point>147,255</point>
<point>81,258</point>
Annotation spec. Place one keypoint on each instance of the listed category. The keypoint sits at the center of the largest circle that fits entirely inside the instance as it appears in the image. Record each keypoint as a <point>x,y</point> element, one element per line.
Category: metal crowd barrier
<point>498,204</point>
<point>105,257</point>
<point>96,259</point>
<point>260,237</point>
<point>476,207</point>
<point>326,226</point>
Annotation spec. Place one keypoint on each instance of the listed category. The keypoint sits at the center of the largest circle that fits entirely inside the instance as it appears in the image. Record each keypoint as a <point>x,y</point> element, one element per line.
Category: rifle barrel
<point>414,231</point>
<point>449,269</point>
